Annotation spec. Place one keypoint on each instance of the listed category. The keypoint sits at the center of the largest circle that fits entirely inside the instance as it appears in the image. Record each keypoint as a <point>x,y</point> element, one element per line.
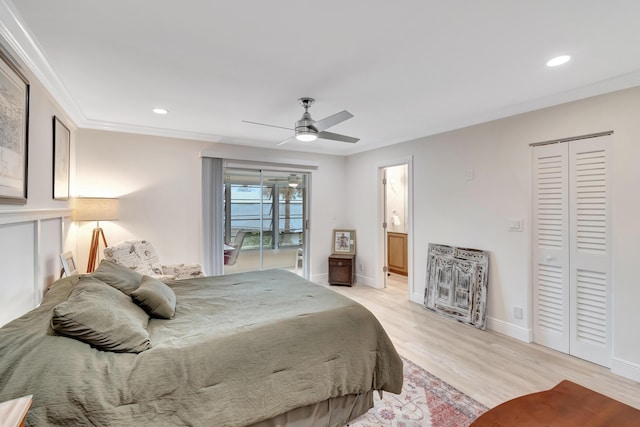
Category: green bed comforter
<point>240,349</point>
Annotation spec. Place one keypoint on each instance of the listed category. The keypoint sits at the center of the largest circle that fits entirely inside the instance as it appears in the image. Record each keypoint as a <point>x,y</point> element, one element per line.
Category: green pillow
<point>155,297</point>
<point>118,276</point>
<point>103,317</point>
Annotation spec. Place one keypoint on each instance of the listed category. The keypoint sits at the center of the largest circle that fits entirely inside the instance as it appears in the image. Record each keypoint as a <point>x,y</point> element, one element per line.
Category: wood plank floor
<point>486,365</point>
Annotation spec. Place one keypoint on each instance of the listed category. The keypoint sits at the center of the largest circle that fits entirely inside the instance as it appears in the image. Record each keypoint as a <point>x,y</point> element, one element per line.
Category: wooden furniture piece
<point>342,269</point>
<point>457,280</point>
<point>13,412</point>
<point>566,405</point>
<point>397,253</point>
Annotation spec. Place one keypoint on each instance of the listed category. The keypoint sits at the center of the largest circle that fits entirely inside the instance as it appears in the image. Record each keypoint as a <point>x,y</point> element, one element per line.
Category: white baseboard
<point>625,369</point>
<point>324,278</point>
<point>510,330</point>
<point>417,298</point>
<point>320,278</point>
<point>365,280</point>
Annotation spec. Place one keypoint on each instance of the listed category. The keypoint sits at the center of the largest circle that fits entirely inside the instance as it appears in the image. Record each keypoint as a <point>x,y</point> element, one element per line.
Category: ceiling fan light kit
<point>306,129</point>
<point>305,136</point>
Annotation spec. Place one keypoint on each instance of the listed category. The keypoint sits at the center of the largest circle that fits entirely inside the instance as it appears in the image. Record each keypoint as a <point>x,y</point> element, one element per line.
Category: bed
<point>262,349</point>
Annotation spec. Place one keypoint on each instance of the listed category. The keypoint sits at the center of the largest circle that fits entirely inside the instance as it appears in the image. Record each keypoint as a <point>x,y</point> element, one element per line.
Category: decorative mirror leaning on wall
<point>457,281</point>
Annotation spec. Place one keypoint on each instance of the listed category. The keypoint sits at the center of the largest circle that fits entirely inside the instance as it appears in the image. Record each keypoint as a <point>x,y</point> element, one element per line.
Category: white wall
<point>450,209</point>
<point>158,181</point>
<point>32,235</point>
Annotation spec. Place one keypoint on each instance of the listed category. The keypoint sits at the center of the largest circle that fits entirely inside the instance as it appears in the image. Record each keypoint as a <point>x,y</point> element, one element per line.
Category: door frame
<point>306,211</point>
<point>380,275</point>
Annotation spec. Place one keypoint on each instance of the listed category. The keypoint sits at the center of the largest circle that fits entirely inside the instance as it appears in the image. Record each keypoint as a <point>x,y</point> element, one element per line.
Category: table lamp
<point>95,209</point>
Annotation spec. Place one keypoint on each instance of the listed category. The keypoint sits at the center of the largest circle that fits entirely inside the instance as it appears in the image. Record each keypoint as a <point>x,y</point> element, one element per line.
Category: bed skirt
<point>335,412</point>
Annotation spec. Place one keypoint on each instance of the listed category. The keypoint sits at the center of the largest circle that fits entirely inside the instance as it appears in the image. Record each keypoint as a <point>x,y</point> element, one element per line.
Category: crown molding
<point>149,130</point>
<point>20,40</point>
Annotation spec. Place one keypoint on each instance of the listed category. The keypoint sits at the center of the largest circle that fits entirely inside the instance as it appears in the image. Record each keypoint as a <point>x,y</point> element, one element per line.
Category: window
<point>252,207</point>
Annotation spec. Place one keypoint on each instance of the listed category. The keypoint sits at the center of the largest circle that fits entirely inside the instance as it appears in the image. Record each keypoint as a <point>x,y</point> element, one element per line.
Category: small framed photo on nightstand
<point>68,263</point>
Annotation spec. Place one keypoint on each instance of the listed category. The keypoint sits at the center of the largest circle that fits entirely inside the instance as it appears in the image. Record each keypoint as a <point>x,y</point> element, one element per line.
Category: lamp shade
<point>95,209</point>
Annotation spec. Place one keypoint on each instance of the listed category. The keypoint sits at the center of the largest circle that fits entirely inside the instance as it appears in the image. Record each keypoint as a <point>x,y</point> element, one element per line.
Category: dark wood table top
<point>567,404</point>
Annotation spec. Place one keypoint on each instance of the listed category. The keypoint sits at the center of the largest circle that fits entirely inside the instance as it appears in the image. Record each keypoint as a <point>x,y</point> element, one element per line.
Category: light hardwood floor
<point>486,365</point>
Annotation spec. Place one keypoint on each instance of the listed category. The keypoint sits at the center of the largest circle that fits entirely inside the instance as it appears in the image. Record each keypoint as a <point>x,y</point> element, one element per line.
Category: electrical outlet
<point>361,267</point>
<point>517,312</point>
<point>470,175</point>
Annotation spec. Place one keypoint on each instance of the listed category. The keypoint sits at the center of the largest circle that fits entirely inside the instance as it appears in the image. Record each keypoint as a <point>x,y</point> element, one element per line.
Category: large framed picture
<point>344,242</point>
<point>61,150</point>
<point>14,126</point>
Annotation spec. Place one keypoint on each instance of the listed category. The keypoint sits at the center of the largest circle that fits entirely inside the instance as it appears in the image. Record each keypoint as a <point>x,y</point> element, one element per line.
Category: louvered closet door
<point>590,250</point>
<point>571,256</point>
<point>551,247</point>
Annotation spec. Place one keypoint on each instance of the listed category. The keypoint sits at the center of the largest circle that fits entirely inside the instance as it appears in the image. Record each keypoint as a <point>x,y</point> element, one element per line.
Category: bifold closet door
<point>551,247</point>
<point>590,257</point>
<point>571,256</point>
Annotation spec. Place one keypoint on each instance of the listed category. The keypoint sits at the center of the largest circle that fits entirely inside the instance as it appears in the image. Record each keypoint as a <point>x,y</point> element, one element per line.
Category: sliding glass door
<point>264,220</point>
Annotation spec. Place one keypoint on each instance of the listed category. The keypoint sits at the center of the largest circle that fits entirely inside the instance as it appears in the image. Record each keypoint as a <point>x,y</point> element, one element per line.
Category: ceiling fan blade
<point>264,124</point>
<point>337,137</point>
<point>291,138</point>
<point>332,120</point>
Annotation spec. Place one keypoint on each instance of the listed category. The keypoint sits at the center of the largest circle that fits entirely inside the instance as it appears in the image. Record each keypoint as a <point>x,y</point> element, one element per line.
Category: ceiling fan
<point>306,129</point>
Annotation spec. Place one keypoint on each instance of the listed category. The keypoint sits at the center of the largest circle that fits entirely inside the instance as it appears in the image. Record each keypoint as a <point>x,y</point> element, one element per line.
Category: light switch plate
<point>515,225</point>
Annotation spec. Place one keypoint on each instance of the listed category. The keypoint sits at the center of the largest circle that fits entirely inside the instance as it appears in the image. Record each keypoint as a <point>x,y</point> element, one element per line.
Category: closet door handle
<point>549,258</point>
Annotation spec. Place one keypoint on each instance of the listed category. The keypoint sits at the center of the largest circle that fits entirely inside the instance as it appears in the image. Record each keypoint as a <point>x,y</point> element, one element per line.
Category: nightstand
<point>342,269</point>
<point>13,412</point>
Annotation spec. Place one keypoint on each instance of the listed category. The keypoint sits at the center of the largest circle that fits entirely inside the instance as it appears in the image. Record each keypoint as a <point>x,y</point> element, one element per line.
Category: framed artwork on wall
<point>61,153</point>
<point>344,242</point>
<point>14,126</point>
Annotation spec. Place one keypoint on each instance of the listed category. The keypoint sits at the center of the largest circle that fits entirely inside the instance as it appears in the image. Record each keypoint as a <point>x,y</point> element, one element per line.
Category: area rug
<point>425,401</point>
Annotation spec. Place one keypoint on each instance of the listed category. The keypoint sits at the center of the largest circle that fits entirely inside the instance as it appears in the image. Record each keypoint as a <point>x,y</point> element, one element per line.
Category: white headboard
<point>30,244</point>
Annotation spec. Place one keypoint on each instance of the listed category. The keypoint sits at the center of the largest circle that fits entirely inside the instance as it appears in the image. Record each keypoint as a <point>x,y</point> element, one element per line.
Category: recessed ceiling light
<point>558,60</point>
<point>160,111</point>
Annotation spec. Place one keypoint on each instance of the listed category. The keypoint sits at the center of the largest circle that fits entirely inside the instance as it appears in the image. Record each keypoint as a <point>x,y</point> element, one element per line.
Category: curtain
<point>212,215</point>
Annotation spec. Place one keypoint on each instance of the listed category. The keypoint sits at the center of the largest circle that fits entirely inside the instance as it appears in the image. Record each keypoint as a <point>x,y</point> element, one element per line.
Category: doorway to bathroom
<point>395,225</point>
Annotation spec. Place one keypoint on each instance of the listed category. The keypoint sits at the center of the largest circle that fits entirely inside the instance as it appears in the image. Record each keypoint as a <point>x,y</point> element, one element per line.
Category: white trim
<point>625,369</point>
<point>380,261</point>
<point>14,216</point>
<point>417,298</point>
<point>31,54</point>
<point>366,280</point>
<point>37,271</point>
<point>509,329</point>
<point>234,158</point>
<point>31,220</point>
<point>150,130</point>
<point>320,278</point>
<point>286,165</point>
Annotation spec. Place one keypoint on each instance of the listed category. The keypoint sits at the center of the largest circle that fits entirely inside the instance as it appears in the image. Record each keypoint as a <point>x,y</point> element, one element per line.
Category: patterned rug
<point>425,401</point>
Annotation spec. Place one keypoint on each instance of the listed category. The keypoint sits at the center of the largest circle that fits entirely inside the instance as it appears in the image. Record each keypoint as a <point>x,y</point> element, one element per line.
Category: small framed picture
<point>68,263</point>
<point>344,242</point>
<point>61,161</point>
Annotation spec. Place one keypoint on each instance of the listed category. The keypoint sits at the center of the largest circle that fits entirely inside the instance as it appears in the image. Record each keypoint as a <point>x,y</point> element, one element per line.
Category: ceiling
<point>404,69</point>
